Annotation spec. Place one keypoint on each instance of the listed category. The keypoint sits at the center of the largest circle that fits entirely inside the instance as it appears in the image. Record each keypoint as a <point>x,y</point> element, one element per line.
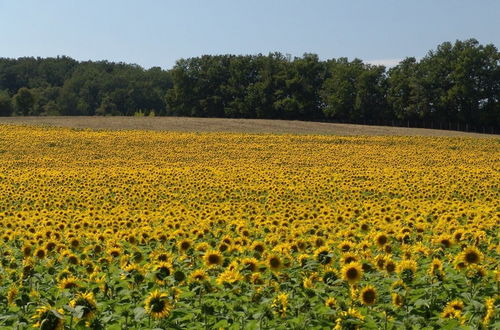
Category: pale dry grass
<point>189,124</point>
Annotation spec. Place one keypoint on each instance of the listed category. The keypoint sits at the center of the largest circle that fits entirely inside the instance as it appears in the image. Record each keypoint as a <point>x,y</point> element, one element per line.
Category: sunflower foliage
<point>143,230</point>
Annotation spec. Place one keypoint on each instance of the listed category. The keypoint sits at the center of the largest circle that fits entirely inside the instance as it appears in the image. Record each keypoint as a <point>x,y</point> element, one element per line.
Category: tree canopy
<point>456,83</point>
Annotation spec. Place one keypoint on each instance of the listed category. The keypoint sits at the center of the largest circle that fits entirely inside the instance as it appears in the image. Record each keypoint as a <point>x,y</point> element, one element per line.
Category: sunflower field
<point>161,230</point>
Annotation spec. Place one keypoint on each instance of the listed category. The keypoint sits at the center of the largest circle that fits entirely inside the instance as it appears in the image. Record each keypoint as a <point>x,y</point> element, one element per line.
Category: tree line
<point>457,83</point>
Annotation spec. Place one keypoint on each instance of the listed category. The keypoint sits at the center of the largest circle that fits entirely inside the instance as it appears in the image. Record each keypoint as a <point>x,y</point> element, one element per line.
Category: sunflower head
<point>197,276</point>
<point>87,301</point>
<point>40,253</point>
<point>213,258</point>
<point>323,256</point>
<point>436,268</point>
<point>184,245</point>
<point>381,239</point>
<point>280,304</point>
<point>368,295</point>
<point>48,318</point>
<point>352,272</point>
<point>471,255</point>
<point>349,257</point>
<point>331,302</point>
<point>250,264</point>
<point>456,304</point>
<point>476,272</point>
<point>70,282</point>
<point>407,269</point>
<point>162,271</point>
<point>157,305</point>
<point>397,299</point>
<point>274,262</point>
<point>390,266</point>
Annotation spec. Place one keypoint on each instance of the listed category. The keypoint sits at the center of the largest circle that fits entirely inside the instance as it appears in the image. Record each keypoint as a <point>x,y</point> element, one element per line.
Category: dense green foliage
<point>455,84</point>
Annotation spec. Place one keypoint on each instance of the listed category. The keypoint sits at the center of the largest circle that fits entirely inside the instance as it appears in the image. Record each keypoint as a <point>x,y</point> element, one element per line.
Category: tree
<point>24,102</point>
<point>5,104</point>
<point>401,89</point>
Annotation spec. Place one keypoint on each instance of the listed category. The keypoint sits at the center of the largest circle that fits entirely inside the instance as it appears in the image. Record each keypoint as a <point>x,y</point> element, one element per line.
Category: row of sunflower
<point>137,230</point>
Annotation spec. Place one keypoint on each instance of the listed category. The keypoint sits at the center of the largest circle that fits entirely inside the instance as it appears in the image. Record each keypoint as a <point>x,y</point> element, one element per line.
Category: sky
<point>159,32</point>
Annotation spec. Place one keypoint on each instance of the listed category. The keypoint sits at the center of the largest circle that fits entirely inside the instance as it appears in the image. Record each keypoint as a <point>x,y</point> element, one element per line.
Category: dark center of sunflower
<point>390,267</point>
<point>162,273</point>
<point>352,273</point>
<point>213,259</point>
<point>350,259</point>
<point>369,296</point>
<point>471,257</point>
<point>324,258</point>
<point>259,248</point>
<point>251,266</point>
<point>185,245</point>
<point>275,262</point>
<point>157,305</point>
<point>382,240</point>
<point>446,243</point>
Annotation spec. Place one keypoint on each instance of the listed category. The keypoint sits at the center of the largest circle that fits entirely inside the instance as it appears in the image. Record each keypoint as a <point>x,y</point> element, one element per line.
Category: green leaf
<point>139,313</point>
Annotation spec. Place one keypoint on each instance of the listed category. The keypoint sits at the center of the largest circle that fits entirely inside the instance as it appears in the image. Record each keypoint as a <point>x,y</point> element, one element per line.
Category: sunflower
<point>490,311</point>
<point>256,279</point>
<point>250,264</point>
<point>349,257</point>
<point>476,272</point>
<point>323,256</point>
<point>258,247</point>
<point>381,240</point>
<point>436,268</point>
<point>73,259</point>
<point>330,302</point>
<point>87,301</point>
<point>75,243</point>
<point>229,276</point>
<point>184,245</point>
<point>407,269</point>
<point>40,253</point>
<point>368,295</point>
<point>456,304</point>
<point>27,249</point>
<point>380,261</point>
<point>352,272</point>
<point>390,266</point>
<point>213,258</point>
<point>133,272</point>
<point>11,295</point>
<point>68,283</point>
<point>197,276</point>
<point>398,285</point>
<point>48,318</point>
<point>202,247</point>
<point>280,304</point>
<point>345,246</point>
<point>161,272</point>
<point>274,262</point>
<point>157,305</point>
<point>397,299</point>
<point>445,241</point>
<point>471,255</point>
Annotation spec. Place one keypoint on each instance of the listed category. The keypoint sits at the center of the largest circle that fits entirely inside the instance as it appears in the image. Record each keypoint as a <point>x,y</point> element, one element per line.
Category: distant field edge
<point>195,124</point>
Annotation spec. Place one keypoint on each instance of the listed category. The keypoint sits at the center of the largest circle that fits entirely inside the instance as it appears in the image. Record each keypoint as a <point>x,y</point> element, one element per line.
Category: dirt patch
<point>189,124</point>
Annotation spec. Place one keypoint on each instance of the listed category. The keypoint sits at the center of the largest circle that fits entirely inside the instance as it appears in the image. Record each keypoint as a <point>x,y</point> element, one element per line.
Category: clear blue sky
<point>157,33</point>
